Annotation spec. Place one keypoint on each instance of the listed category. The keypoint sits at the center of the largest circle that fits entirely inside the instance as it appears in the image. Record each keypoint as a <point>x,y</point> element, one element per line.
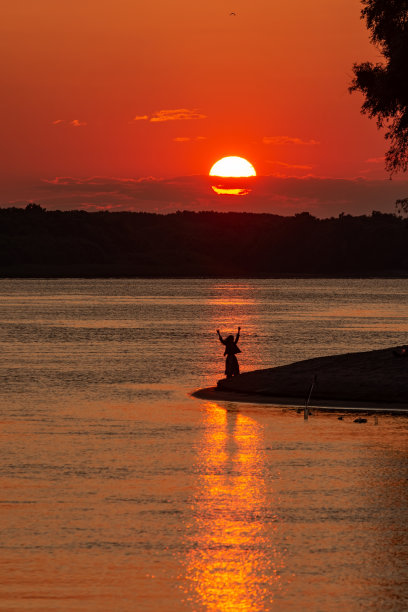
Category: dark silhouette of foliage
<point>35,208</point>
<point>402,205</point>
<point>385,85</point>
<point>40,243</point>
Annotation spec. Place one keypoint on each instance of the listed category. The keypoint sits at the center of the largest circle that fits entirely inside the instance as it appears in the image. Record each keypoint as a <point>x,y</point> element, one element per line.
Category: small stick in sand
<point>306,411</point>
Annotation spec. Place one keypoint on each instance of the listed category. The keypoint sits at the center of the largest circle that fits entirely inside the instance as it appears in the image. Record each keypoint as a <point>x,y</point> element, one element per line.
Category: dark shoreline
<point>95,272</point>
<point>35,242</point>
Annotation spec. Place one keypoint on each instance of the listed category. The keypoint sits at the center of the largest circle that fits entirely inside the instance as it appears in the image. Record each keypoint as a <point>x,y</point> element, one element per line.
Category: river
<point>121,492</point>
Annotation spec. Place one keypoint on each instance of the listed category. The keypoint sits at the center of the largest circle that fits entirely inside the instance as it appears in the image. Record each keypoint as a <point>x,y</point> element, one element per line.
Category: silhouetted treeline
<point>35,242</point>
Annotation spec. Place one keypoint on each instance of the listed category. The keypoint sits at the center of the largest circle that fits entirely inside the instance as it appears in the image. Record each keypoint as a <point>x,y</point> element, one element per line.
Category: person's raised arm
<point>220,337</point>
<point>237,336</point>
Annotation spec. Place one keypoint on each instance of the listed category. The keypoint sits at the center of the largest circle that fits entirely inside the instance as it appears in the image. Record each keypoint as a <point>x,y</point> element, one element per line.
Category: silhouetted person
<point>231,349</point>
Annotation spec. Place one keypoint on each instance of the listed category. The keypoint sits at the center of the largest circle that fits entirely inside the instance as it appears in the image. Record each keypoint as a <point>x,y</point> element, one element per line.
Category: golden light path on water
<point>232,565</point>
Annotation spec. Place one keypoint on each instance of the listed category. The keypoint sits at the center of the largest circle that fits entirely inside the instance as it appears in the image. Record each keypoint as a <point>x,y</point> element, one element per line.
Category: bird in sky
<point>232,14</point>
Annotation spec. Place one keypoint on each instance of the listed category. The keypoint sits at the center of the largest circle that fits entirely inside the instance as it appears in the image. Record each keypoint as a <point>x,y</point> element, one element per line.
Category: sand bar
<point>370,381</point>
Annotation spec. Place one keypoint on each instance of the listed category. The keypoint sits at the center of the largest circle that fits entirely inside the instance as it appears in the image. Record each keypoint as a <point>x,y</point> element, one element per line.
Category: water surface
<point>121,492</point>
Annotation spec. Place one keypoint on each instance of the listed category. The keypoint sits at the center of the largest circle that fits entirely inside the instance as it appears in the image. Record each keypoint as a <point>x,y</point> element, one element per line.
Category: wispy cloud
<point>288,140</point>
<point>174,114</point>
<point>178,114</point>
<point>290,166</point>
<point>375,160</point>
<point>72,122</point>
<point>188,139</point>
<point>285,195</point>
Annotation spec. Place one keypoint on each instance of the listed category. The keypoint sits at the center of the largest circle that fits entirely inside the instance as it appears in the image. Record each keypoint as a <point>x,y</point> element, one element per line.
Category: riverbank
<point>366,381</point>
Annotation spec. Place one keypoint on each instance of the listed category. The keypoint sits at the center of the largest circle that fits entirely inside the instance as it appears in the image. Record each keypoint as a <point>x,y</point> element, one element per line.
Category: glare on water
<point>121,492</point>
<point>235,565</point>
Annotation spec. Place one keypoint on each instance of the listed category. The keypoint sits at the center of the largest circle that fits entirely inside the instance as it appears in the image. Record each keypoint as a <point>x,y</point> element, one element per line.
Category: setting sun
<point>232,167</point>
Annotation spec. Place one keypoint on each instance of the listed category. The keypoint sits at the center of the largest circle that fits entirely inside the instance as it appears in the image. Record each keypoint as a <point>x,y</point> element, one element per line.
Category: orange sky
<point>121,89</point>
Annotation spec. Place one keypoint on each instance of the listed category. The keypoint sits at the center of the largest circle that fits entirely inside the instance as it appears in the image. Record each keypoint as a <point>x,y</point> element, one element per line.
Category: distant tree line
<point>39,243</point>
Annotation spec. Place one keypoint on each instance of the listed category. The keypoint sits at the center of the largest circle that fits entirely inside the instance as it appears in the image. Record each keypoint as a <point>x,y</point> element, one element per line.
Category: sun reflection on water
<point>232,564</point>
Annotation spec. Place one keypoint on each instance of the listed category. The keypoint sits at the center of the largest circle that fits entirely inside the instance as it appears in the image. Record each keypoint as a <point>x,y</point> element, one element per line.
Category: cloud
<point>73,122</point>
<point>175,114</point>
<point>323,197</point>
<point>288,140</point>
<point>375,160</point>
<point>188,139</point>
<point>178,114</point>
<point>290,166</point>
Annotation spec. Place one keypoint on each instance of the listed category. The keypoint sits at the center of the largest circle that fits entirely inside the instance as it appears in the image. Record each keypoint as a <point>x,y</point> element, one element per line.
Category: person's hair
<point>229,339</point>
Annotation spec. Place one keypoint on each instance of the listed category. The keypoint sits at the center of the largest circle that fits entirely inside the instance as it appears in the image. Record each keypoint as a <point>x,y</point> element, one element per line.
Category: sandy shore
<point>368,381</point>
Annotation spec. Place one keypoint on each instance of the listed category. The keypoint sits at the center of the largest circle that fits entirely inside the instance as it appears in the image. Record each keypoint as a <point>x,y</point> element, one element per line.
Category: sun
<point>232,167</point>
<point>229,169</point>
